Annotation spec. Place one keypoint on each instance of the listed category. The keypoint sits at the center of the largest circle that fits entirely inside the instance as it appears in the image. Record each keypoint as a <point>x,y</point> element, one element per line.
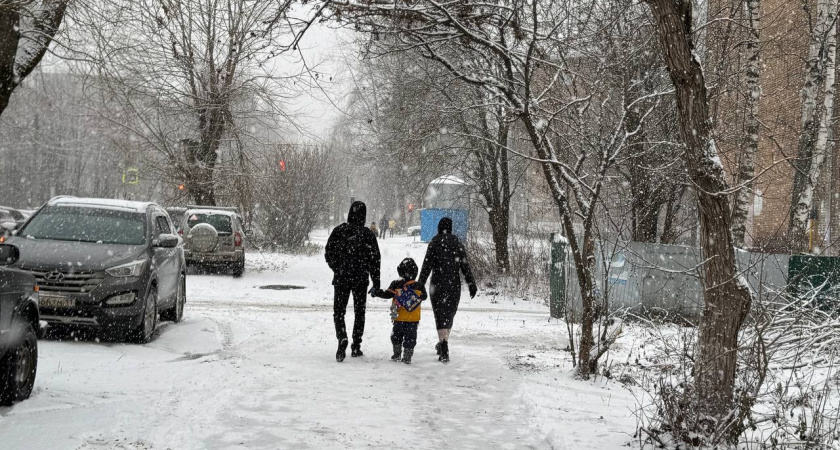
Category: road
<point>254,368</point>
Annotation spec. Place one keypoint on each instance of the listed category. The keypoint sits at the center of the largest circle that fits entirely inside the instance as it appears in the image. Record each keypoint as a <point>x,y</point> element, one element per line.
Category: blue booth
<point>430,217</point>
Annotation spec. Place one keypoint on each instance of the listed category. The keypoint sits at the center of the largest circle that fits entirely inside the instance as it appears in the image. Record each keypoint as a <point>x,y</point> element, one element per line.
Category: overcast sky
<point>324,49</point>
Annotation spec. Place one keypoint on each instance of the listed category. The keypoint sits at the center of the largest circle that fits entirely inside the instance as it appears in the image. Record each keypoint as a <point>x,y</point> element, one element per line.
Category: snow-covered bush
<point>788,390</point>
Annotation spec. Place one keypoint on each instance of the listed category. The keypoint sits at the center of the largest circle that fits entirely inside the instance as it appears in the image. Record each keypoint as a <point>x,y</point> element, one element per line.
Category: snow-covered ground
<point>255,368</point>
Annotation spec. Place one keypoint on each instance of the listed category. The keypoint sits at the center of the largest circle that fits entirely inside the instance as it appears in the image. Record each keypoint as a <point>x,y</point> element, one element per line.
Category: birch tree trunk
<point>727,298</point>
<point>749,146</point>
<point>813,141</point>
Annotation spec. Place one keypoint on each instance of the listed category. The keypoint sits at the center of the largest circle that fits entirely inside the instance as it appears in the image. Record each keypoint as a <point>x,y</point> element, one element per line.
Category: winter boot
<point>444,352</point>
<point>407,354</point>
<point>356,352</point>
<point>437,348</point>
<point>397,353</point>
<point>342,350</point>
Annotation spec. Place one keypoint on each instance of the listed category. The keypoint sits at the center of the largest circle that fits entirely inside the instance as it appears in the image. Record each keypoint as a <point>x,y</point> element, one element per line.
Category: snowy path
<point>251,368</point>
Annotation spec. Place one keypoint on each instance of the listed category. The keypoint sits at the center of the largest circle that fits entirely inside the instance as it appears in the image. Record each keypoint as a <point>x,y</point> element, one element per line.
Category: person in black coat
<point>353,255</point>
<point>383,227</point>
<point>446,260</point>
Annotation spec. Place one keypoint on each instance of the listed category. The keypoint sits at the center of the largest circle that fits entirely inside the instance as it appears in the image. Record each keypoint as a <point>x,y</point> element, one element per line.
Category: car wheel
<point>176,313</point>
<point>144,332</point>
<point>239,268</point>
<point>19,366</point>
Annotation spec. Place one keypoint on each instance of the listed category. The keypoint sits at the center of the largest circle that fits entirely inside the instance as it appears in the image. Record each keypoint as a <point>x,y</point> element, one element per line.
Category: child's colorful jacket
<point>407,296</point>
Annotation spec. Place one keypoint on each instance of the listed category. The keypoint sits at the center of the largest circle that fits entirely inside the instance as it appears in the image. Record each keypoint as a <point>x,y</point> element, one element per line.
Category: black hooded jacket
<point>446,259</point>
<point>352,251</point>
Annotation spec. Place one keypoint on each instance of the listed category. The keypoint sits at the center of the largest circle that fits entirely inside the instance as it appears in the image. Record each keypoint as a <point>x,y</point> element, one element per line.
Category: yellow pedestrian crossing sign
<point>131,176</point>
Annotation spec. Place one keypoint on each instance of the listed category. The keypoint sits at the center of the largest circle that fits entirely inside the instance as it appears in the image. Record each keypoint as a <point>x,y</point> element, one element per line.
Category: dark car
<point>19,321</point>
<point>112,264</point>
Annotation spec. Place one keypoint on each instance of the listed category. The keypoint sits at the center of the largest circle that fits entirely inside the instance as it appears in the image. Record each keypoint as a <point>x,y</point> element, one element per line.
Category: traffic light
<point>181,187</point>
<point>282,165</point>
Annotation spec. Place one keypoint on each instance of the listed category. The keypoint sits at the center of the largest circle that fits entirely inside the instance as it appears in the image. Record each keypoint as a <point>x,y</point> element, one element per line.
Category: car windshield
<point>83,224</point>
<point>220,222</point>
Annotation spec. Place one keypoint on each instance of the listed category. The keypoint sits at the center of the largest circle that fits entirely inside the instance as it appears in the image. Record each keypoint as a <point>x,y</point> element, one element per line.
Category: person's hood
<point>407,269</point>
<point>445,226</point>
<point>44,254</point>
<point>357,214</point>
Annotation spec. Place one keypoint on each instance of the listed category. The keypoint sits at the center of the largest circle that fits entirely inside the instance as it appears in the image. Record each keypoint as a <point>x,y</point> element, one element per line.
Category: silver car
<point>214,238</point>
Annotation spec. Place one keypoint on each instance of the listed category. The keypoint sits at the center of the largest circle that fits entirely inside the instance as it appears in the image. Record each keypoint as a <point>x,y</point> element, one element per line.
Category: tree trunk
<point>493,180</point>
<point>17,62</point>
<point>499,220</point>
<point>819,76</point>
<point>727,298</point>
<point>749,146</point>
<point>646,189</point>
<point>673,205</point>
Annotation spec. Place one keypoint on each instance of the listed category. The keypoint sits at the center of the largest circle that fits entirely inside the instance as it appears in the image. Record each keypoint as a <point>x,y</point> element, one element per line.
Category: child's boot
<point>407,354</point>
<point>444,351</point>
<point>397,353</point>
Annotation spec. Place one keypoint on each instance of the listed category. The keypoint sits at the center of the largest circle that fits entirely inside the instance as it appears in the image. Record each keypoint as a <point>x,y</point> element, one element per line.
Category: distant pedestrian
<point>446,260</point>
<point>374,229</point>
<point>391,225</point>
<point>406,295</point>
<point>353,255</point>
<point>383,226</point>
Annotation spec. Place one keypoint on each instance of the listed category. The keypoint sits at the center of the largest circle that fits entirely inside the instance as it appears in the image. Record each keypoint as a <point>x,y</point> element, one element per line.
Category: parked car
<point>112,264</point>
<point>414,231</point>
<point>11,218</point>
<point>215,238</point>
<point>176,213</point>
<point>19,323</point>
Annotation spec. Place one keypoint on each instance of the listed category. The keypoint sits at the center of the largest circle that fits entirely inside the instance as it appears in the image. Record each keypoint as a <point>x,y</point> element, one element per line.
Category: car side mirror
<point>8,254</point>
<point>9,226</point>
<point>166,241</point>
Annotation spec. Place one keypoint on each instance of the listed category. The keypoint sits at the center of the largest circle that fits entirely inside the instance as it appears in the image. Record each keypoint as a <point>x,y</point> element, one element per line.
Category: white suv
<point>214,237</point>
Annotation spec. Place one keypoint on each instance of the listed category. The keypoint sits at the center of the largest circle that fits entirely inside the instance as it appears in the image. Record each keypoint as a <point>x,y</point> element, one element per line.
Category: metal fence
<point>644,278</point>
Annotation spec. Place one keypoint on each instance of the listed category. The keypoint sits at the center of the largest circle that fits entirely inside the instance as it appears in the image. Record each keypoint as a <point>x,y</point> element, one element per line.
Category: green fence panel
<point>816,277</point>
<point>557,276</point>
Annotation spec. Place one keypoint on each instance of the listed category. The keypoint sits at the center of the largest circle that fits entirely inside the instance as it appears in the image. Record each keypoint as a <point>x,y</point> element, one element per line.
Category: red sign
<point>282,165</point>
<point>411,207</point>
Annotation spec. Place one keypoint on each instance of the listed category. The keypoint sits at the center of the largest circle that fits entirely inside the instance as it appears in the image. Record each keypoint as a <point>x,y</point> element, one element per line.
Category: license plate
<point>56,301</point>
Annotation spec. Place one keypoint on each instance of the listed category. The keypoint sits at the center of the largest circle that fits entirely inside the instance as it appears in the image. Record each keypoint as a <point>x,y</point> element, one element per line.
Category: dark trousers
<point>405,333</point>
<point>445,300</point>
<point>342,297</point>
<point>382,232</point>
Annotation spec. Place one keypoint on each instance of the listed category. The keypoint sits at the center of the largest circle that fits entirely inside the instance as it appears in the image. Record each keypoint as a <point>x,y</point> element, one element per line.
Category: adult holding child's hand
<point>353,255</point>
<point>446,260</point>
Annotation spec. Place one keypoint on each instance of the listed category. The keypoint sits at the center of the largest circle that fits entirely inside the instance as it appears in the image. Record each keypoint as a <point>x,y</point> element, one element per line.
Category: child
<point>405,309</point>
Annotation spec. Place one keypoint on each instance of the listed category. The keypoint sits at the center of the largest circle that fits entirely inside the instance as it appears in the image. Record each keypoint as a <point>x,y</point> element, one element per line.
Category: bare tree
<point>549,83</point>
<point>184,76</point>
<point>295,182</point>
<point>727,297</point>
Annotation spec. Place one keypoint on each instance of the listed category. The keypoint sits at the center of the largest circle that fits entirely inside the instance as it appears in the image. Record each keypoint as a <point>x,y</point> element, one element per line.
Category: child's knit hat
<point>407,269</point>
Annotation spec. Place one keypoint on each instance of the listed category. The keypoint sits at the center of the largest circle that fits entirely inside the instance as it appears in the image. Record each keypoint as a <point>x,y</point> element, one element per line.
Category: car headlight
<point>122,299</point>
<point>132,269</point>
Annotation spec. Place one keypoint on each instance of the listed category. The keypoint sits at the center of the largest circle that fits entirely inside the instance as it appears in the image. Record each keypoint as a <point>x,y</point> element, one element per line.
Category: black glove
<point>373,291</point>
<point>473,290</point>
